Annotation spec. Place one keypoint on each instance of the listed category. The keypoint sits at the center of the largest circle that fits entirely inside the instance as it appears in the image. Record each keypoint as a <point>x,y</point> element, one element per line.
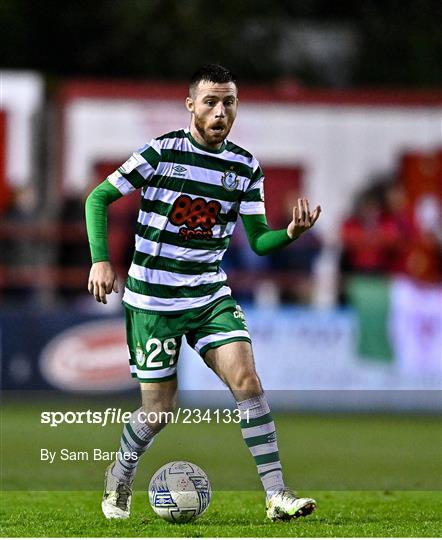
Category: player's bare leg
<point>158,399</point>
<point>235,366</point>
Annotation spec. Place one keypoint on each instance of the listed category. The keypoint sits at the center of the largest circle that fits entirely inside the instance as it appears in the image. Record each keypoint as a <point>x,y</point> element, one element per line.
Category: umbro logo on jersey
<point>179,170</point>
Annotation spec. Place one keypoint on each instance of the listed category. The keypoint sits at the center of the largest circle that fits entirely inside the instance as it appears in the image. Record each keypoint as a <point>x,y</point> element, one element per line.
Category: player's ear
<point>189,104</point>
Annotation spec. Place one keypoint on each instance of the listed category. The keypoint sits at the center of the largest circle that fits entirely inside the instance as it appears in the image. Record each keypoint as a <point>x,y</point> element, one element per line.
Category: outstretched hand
<point>102,280</point>
<point>303,219</point>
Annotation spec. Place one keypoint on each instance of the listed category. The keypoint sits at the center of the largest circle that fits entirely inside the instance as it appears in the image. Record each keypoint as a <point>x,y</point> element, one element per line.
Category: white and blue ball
<point>179,492</point>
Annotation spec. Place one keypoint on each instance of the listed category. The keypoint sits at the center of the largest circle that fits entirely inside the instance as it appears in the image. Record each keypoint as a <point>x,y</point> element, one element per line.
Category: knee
<point>246,384</point>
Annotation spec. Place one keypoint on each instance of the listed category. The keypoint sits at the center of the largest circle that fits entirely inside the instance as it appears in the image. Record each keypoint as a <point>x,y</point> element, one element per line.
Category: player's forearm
<point>96,219</point>
<point>262,239</point>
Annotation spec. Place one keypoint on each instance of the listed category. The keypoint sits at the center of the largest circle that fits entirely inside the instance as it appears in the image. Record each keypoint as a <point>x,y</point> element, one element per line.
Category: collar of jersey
<point>201,147</point>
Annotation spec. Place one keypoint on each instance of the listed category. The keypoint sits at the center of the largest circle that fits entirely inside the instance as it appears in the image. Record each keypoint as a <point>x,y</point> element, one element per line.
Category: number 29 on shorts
<point>154,348</point>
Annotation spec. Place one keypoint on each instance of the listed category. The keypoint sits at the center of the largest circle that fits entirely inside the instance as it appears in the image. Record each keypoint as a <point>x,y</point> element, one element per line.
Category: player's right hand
<point>102,280</point>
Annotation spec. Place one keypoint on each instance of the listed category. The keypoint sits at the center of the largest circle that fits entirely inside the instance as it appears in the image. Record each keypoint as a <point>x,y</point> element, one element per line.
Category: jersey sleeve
<point>138,170</point>
<point>96,219</point>
<point>252,201</point>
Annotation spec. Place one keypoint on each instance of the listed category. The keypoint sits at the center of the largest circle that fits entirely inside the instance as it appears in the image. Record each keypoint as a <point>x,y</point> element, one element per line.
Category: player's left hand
<point>303,219</point>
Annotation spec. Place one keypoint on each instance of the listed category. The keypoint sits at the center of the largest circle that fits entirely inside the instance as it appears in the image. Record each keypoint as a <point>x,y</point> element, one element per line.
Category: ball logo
<point>179,492</point>
<point>88,357</point>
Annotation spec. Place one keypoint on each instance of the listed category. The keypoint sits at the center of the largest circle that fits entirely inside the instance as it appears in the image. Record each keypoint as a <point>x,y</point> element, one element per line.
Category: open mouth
<point>217,129</point>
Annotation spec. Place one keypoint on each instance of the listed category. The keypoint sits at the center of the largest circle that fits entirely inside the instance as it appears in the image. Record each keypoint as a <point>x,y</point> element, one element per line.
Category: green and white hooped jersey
<point>190,201</point>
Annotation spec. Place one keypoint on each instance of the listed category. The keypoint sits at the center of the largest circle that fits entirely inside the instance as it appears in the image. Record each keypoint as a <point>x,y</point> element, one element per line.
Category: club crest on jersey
<point>140,356</point>
<point>230,180</point>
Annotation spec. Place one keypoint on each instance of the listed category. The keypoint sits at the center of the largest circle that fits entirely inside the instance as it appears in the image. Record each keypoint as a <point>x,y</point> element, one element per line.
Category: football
<point>179,492</point>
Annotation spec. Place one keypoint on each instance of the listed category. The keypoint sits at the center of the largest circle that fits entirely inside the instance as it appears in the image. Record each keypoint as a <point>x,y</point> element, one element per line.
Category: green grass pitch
<point>372,475</point>
<point>340,514</point>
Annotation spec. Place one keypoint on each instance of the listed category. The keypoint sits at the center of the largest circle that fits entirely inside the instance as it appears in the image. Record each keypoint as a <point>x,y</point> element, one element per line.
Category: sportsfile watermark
<point>351,442</point>
<point>113,415</point>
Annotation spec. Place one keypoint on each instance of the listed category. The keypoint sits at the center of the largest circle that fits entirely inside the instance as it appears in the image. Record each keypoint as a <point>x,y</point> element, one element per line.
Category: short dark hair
<point>213,73</point>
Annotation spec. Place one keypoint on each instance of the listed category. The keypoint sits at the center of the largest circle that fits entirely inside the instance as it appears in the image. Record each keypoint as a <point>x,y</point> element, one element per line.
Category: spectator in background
<point>398,214</point>
<point>371,246</point>
<point>371,238</point>
<point>295,263</point>
<point>386,236</point>
<point>369,242</point>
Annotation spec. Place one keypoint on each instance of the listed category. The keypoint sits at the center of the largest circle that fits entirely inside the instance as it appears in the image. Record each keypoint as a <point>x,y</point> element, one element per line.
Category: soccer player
<point>194,183</point>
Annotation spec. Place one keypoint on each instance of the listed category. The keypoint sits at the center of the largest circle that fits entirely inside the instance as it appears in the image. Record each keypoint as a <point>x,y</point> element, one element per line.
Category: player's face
<point>213,107</point>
